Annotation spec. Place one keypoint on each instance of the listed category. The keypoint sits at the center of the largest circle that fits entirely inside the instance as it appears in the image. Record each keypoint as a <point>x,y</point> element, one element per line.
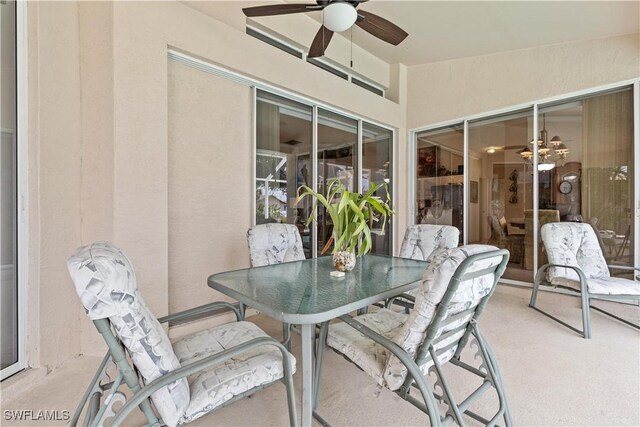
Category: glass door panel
<point>8,217</point>
<point>337,158</point>
<point>377,151</point>
<point>500,188</point>
<point>283,162</point>
<point>439,177</point>
<point>590,169</point>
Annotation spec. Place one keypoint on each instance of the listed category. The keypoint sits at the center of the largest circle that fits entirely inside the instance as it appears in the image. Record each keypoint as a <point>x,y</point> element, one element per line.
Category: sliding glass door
<point>501,191</point>
<point>439,177</point>
<point>304,144</point>
<point>578,167</point>
<point>590,176</point>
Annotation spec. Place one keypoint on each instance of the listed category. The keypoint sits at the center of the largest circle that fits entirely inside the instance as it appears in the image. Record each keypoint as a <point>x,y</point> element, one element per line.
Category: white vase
<point>344,260</point>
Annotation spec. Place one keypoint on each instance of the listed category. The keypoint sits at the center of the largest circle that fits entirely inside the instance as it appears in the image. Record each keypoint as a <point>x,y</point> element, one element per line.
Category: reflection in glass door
<point>337,158</point>
<point>588,169</point>
<point>377,151</point>
<point>283,162</point>
<point>439,177</point>
<point>501,207</point>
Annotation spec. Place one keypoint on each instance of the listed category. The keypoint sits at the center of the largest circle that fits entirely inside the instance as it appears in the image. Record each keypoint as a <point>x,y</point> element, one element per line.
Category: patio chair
<point>420,241</point>
<point>274,244</point>
<point>185,380</point>
<point>400,350</point>
<point>576,263</point>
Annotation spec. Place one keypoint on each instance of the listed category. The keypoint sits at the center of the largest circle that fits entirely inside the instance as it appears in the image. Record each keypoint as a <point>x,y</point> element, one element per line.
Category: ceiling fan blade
<point>320,42</point>
<point>381,28</point>
<point>280,9</point>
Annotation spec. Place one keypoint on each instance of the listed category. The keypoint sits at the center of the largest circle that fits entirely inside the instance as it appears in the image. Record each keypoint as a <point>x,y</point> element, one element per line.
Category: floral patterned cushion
<point>575,244</point>
<point>602,285</point>
<point>435,283</point>
<point>106,284</point>
<point>218,384</point>
<point>421,240</point>
<point>364,352</point>
<point>274,244</point>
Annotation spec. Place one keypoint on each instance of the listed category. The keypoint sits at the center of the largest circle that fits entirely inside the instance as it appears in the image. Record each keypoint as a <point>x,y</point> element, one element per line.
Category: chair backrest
<point>421,240</point>
<point>575,244</point>
<point>106,284</point>
<point>498,230</point>
<point>274,244</point>
<point>455,288</point>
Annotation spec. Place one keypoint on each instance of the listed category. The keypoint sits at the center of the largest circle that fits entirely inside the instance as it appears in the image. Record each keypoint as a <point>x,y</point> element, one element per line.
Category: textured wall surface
<point>210,184</point>
<point>453,89</point>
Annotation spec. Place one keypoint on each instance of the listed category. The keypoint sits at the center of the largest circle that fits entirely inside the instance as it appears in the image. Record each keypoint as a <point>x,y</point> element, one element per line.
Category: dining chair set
<point>423,312</point>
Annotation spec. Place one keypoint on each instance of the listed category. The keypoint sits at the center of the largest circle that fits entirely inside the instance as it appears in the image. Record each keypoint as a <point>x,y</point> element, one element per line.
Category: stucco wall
<point>99,147</point>
<point>55,137</point>
<point>453,89</point>
<point>210,185</point>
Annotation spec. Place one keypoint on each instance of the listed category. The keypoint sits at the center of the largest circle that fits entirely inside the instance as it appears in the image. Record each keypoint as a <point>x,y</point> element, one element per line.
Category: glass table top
<point>304,292</point>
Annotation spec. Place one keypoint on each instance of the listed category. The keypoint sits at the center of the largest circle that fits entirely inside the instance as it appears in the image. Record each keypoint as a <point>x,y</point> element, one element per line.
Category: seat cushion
<point>218,384</point>
<point>106,284</point>
<point>602,285</point>
<point>274,244</point>
<point>436,281</point>
<point>574,244</point>
<point>421,240</point>
<point>370,356</point>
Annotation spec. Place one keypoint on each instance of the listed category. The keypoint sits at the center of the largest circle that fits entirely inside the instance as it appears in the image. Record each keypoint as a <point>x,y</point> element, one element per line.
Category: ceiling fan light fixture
<point>339,16</point>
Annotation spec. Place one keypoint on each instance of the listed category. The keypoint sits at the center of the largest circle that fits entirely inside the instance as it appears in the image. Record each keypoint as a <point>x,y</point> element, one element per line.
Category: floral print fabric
<point>274,244</point>
<point>408,331</point>
<point>216,385</point>
<point>576,244</point>
<point>106,284</point>
<point>435,283</point>
<point>421,240</point>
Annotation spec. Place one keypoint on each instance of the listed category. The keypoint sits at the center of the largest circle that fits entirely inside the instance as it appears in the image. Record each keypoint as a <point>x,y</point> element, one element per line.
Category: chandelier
<point>546,149</point>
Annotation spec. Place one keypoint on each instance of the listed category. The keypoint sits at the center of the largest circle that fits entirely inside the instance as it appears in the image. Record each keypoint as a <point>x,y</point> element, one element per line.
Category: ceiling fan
<point>339,15</point>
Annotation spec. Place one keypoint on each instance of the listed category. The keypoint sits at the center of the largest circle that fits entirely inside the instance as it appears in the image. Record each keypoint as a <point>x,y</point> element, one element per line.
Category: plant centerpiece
<point>353,216</point>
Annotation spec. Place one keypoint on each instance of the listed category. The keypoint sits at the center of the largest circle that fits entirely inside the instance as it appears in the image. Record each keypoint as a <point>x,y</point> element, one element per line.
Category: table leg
<point>308,337</point>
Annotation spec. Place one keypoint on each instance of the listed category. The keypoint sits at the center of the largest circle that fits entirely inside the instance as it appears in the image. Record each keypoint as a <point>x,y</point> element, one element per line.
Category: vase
<point>344,260</point>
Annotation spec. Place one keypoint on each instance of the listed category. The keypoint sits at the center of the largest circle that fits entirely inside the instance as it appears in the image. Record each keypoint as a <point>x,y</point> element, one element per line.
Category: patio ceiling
<point>444,30</point>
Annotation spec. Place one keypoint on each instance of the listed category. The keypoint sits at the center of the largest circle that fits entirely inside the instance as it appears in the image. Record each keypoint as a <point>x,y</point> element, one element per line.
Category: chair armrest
<point>578,270</point>
<point>624,267</point>
<point>192,368</point>
<point>399,352</point>
<point>217,307</point>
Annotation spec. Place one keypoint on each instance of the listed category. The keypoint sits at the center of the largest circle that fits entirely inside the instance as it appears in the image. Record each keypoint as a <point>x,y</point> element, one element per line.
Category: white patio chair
<point>274,244</point>
<point>576,263</point>
<point>185,380</point>
<point>419,242</point>
<point>400,350</point>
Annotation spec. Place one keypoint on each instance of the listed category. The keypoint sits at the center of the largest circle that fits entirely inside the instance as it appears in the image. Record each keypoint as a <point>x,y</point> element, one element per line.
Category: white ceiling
<point>443,30</point>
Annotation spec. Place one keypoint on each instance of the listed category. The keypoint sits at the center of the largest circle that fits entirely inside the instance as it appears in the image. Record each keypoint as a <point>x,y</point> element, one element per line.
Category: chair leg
<point>448,398</point>
<point>586,318</point>
<point>286,335</point>
<point>536,285</point>
<point>291,398</point>
<point>322,341</point>
<point>497,377</point>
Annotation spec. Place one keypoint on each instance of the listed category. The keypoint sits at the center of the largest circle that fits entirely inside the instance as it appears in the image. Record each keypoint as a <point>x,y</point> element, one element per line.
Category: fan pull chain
<point>351,29</point>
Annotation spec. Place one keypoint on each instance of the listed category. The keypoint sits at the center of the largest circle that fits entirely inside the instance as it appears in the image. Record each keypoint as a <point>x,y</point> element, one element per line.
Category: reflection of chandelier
<point>545,149</point>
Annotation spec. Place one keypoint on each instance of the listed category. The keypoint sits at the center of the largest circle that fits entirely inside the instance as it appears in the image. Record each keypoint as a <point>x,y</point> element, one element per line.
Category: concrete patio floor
<point>552,376</point>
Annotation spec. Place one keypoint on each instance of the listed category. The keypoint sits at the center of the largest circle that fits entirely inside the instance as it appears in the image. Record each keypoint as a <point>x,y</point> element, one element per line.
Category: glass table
<point>304,293</point>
